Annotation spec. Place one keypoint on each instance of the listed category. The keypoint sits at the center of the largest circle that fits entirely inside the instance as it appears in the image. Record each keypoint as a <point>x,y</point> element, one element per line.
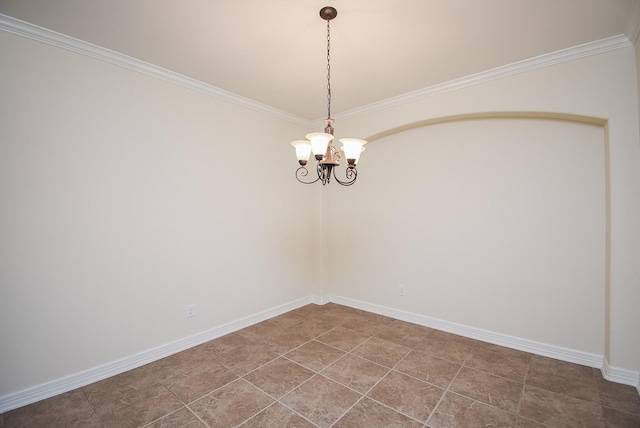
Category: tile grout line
<point>276,400</point>
<point>296,412</point>
<point>464,365</point>
<point>389,370</point>
<point>319,372</point>
<point>524,387</point>
<point>387,374</point>
<point>362,395</point>
<point>446,391</point>
<point>197,416</point>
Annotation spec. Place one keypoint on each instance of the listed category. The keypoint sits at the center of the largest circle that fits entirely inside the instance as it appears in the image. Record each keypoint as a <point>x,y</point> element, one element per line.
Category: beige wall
<point>497,224</point>
<point>125,198</point>
<point>408,169</point>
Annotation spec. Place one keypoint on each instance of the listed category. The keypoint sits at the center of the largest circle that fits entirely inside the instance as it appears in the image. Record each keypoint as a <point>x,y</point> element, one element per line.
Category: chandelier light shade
<point>321,143</point>
<point>303,150</point>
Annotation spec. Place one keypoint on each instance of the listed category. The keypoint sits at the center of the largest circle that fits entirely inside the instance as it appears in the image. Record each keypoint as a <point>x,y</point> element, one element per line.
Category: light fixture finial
<point>328,13</point>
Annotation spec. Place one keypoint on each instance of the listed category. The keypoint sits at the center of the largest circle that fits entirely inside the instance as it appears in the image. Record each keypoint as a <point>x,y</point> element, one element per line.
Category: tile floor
<point>334,366</point>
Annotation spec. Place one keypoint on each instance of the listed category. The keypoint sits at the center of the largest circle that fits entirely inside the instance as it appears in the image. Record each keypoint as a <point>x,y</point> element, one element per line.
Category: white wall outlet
<point>401,290</point>
<point>191,310</point>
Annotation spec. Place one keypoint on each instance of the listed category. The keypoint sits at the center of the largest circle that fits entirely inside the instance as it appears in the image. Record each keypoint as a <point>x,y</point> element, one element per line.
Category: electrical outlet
<point>191,310</point>
<point>401,290</point>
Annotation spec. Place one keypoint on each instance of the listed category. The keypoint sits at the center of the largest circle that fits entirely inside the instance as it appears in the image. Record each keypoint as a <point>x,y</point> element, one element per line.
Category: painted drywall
<point>125,198</point>
<point>463,199</point>
<point>497,224</point>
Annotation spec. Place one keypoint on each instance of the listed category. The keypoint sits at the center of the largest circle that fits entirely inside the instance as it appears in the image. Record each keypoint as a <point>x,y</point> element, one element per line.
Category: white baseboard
<point>613,374</point>
<point>86,377</point>
<point>624,376</point>
<point>77,380</point>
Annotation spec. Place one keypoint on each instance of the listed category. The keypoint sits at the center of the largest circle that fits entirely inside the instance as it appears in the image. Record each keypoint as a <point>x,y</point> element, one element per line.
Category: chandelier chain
<point>328,70</point>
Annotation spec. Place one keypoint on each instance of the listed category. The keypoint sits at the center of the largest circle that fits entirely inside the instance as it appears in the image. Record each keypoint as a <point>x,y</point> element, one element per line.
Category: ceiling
<point>274,52</point>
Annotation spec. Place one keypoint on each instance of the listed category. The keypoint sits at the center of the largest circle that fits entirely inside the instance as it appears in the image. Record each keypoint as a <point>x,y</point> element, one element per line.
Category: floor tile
<point>199,381</point>
<point>381,352</point>
<point>619,419</point>
<point>70,409</point>
<point>246,358</point>
<point>500,361</point>
<point>311,310</point>
<point>315,355</point>
<point>404,333</point>
<point>428,368</point>
<point>343,338</point>
<point>447,346</point>
<point>180,418</point>
<point>116,387</point>
<point>311,328</point>
<point>215,348</point>
<point>461,412</point>
<point>257,332</point>
<point>558,410</point>
<point>287,319</point>
<point>355,372</point>
<point>489,389</point>
<point>277,416</point>
<point>278,377</point>
<point>176,363</point>
<point>346,311</point>
<point>231,405</point>
<point>527,423</point>
<point>368,414</point>
<point>321,400</point>
<point>284,340</point>
<point>560,368</point>
<point>366,325</point>
<point>407,395</point>
<point>334,318</point>
<point>617,396</point>
<point>139,407</point>
<point>562,377</point>
<point>383,319</point>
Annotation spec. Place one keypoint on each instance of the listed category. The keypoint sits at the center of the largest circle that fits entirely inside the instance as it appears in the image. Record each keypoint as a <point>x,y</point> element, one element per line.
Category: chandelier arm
<point>351,174</point>
<point>303,172</point>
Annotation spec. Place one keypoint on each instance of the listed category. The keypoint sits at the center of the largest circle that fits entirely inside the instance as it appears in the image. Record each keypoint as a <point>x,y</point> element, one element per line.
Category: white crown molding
<point>44,35</point>
<point>77,380</point>
<point>564,55</point>
<point>54,38</point>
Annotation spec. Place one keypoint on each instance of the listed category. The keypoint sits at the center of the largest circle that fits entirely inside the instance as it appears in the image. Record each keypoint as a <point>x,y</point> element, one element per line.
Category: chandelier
<point>320,143</point>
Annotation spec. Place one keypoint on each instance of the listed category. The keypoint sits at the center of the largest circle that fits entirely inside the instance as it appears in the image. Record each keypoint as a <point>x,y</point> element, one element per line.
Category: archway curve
<point>588,120</point>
